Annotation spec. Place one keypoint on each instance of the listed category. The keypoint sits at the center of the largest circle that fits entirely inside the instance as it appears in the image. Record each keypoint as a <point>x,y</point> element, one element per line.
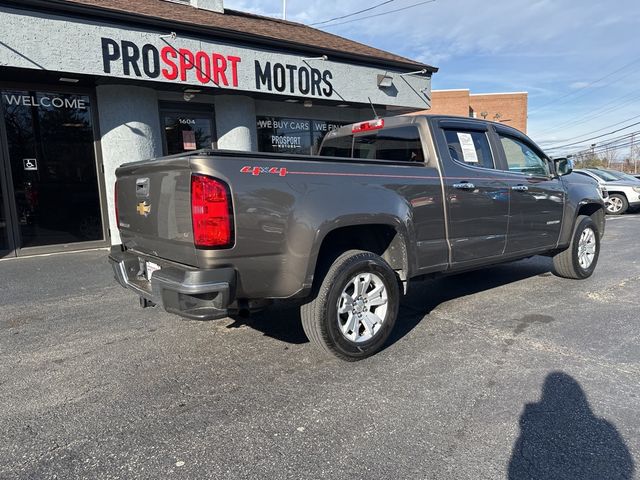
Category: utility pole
<point>284,9</point>
<point>632,158</point>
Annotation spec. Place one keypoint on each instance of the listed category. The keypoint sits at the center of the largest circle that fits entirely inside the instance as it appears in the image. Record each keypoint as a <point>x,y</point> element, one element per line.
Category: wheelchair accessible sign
<point>30,164</point>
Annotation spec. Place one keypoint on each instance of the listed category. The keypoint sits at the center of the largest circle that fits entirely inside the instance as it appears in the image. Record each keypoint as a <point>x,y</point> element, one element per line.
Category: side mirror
<point>564,166</point>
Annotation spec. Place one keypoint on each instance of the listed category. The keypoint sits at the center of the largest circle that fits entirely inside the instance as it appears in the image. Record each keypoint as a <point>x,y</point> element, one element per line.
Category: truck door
<point>537,197</point>
<point>477,194</point>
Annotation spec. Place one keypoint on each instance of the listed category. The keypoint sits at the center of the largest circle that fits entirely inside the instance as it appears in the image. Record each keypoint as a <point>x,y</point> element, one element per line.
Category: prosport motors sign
<point>211,68</point>
<point>44,42</point>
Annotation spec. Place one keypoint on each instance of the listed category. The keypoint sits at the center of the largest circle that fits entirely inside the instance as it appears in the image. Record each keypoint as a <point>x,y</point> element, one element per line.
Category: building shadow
<point>560,438</point>
<point>283,322</point>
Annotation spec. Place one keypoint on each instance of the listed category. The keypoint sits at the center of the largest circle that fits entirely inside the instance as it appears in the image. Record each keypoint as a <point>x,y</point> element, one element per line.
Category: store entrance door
<point>53,197</point>
<point>187,128</point>
<point>4,218</point>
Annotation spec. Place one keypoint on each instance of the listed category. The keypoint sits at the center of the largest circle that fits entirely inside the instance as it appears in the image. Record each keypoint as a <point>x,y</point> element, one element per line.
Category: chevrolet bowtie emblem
<point>143,208</point>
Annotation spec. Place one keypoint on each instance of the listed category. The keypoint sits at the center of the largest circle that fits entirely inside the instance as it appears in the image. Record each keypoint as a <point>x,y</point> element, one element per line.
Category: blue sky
<point>555,50</point>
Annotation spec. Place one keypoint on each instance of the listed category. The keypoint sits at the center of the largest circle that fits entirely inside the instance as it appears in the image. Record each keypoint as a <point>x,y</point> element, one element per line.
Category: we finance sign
<point>213,68</point>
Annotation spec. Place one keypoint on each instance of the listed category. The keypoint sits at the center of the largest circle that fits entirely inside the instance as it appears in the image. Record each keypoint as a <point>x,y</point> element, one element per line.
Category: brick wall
<point>507,108</point>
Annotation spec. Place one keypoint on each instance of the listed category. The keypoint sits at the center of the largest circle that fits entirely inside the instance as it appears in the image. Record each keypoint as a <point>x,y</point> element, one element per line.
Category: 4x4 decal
<point>255,171</point>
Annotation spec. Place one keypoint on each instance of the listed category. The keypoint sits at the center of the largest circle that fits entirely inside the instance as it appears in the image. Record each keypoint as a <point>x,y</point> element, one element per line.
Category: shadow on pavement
<point>561,438</point>
<point>283,323</point>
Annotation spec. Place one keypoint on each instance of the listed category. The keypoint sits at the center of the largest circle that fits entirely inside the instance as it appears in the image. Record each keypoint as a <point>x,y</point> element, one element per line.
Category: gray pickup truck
<point>219,233</point>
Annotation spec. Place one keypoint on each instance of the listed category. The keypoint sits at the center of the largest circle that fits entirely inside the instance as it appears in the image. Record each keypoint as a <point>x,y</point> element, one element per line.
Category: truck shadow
<point>283,322</point>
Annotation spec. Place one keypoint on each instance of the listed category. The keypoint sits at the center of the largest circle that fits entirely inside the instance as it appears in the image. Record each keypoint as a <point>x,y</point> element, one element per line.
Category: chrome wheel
<point>587,248</point>
<point>615,204</point>
<point>362,307</point>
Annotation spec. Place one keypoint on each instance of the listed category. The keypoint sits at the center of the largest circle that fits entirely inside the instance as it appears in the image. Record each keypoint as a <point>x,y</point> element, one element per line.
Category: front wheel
<point>355,308</point>
<point>617,204</point>
<point>580,259</point>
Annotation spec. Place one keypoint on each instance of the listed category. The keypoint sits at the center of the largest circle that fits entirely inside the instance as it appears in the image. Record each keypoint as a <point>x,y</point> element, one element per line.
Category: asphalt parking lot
<point>509,372</point>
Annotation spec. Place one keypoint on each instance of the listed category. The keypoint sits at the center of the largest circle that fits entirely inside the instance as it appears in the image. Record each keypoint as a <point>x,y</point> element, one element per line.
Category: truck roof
<point>400,120</point>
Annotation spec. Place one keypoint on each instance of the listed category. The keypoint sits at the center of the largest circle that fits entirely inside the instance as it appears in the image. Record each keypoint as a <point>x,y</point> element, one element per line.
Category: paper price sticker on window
<point>468,148</point>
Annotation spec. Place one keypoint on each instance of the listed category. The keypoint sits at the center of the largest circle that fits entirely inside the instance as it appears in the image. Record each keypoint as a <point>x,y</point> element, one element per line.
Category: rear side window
<point>337,146</point>
<point>469,147</point>
<point>401,144</point>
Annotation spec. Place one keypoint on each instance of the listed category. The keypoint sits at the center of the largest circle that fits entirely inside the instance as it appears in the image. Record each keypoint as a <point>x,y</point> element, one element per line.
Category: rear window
<point>469,147</point>
<point>400,144</point>
<point>337,146</point>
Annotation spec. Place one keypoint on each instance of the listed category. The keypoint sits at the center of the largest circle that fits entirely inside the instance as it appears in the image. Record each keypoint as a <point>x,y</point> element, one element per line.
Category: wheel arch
<point>388,239</point>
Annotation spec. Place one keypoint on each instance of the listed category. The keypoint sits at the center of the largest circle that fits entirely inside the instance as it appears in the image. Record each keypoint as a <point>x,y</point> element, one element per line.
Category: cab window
<point>400,144</point>
<point>469,147</point>
<point>523,159</point>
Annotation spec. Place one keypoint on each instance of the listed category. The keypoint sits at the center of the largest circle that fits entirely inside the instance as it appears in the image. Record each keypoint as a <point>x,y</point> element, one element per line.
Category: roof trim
<point>61,6</point>
<point>498,93</point>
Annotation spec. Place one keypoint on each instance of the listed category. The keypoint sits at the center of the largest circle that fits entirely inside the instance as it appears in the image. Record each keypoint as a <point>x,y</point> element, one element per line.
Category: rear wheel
<point>617,204</point>
<point>355,308</point>
<point>580,259</point>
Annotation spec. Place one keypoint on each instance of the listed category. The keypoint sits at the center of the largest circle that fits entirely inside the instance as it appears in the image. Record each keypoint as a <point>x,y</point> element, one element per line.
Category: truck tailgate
<point>154,208</point>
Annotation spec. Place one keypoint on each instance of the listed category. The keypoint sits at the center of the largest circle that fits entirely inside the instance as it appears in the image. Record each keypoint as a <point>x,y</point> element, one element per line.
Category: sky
<point>579,60</point>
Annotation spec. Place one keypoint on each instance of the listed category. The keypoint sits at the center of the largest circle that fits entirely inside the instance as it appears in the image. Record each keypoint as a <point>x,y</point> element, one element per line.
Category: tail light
<point>211,212</point>
<point>376,124</point>
<point>115,201</point>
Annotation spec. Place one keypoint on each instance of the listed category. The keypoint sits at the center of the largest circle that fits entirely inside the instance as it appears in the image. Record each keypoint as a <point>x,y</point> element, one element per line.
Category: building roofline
<point>451,90</point>
<point>79,9</point>
<point>498,93</point>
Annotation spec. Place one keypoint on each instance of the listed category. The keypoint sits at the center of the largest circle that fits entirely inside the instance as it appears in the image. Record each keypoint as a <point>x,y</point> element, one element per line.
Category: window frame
<point>518,137</point>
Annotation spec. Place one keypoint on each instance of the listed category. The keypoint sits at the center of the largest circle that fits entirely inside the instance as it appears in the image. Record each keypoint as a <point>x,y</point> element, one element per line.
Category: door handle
<point>464,186</point>
<point>520,188</point>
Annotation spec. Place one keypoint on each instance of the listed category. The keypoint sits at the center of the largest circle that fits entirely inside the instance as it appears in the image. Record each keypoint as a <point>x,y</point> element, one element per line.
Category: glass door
<point>4,217</point>
<point>187,128</point>
<point>52,170</point>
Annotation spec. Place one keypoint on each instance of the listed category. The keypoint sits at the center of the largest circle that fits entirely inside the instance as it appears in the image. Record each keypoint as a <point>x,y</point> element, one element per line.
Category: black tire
<point>619,206</point>
<point>320,319</point>
<point>567,263</point>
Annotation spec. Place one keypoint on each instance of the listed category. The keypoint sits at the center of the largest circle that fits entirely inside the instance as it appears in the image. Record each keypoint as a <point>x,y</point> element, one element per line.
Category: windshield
<point>621,175</point>
<point>604,175</point>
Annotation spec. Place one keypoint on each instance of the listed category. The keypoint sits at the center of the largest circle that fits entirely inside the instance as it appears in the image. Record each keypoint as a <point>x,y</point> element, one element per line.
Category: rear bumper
<point>191,293</point>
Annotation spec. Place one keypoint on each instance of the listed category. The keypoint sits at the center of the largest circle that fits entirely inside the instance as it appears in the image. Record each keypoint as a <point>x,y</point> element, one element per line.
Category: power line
<point>586,86</point>
<point>351,14</point>
<point>596,137</point>
<point>619,144</point>
<point>590,116</point>
<point>380,14</point>
<point>552,142</point>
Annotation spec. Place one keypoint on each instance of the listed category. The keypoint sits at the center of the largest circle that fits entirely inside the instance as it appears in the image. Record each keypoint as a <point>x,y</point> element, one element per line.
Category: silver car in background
<point>623,189</point>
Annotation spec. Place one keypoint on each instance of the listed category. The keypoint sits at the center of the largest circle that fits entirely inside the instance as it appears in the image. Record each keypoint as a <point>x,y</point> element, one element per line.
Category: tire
<point>575,262</point>
<point>617,204</point>
<point>338,321</point>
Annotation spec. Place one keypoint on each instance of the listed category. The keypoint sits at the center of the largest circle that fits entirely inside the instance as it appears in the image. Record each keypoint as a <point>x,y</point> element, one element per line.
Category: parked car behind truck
<point>623,189</point>
<point>387,201</point>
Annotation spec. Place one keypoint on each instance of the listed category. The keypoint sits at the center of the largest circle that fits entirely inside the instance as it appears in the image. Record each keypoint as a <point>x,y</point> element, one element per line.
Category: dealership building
<point>87,85</point>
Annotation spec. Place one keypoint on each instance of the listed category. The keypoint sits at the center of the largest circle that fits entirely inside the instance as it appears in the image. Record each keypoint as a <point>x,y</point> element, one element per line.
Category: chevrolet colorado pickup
<point>213,233</point>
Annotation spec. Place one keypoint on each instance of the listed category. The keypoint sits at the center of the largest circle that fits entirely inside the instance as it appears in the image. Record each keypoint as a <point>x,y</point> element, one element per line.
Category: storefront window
<point>53,167</point>
<point>186,131</point>
<point>292,135</point>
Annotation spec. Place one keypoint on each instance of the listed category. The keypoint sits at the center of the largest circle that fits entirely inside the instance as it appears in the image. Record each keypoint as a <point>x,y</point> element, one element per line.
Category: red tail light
<point>211,213</point>
<point>115,201</point>
<point>376,124</point>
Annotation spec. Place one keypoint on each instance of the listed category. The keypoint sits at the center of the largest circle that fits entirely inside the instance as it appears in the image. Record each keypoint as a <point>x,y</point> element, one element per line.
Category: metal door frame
<point>15,250</point>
